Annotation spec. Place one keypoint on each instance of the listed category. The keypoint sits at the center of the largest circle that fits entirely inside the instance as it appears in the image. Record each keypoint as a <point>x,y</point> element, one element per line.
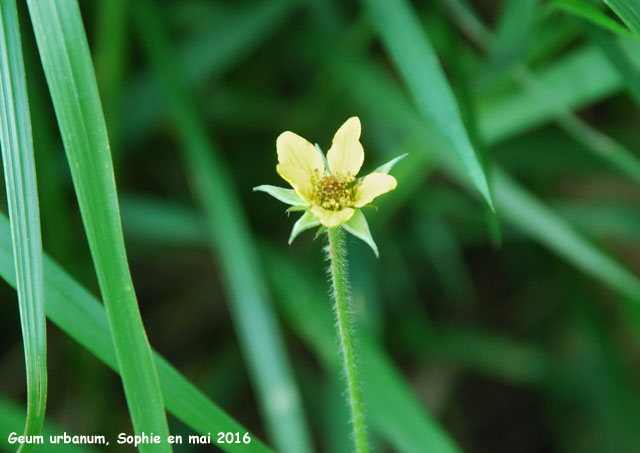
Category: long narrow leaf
<point>552,98</point>
<point>540,223</point>
<point>412,52</point>
<point>12,416</point>
<point>547,228</point>
<point>67,64</point>
<point>78,313</point>
<point>621,53</point>
<point>253,315</point>
<point>228,39</point>
<point>628,11</point>
<point>22,197</point>
<point>586,11</point>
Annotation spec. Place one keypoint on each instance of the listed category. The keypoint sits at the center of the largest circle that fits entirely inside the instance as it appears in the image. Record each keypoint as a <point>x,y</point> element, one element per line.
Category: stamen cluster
<point>333,191</point>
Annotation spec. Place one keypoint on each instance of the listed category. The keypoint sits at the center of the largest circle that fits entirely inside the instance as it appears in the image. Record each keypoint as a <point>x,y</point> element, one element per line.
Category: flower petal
<point>332,219</point>
<point>372,186</point>
<point>297,160</point>
<point>346,153</point>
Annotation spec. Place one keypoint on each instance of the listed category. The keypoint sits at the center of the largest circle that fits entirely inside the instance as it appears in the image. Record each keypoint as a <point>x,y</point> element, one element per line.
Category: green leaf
<point>24,214</point>
<point>12,416</point>
<point>65,56</point>
<point>416,60</point>
<point>386,168</point>
<point>78,313</point>
<point>306,222</point>
<point>624,54</point>
<point>203,58</point>
<point>559,87</point>
<point>547,228</point>
<point>280,193</point>
<point>590,13</point>
<point>515,29</point>
<point>231,241</point>
<point>628,11</point>
<point>540,223</point>
<point>553,97</point>
<point>358,226</point>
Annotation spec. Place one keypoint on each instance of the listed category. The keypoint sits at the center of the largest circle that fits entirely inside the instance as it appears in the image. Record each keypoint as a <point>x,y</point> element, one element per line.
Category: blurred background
<point>511,332</point>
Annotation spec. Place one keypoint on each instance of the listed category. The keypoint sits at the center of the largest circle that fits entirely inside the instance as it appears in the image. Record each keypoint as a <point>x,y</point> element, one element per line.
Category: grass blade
<point>628,11</point>
<point>414,56</point>
<point>584,10</point>
<point>518,111</point>
<point>67,64</point>
<point>78,313</point>
<point>254,318</point>
<point>621,52</point>
<point>540,223</point>
<point>547,228</point>
<point>24,214</point>
<point>111,52</point>
<point>12,415</point>
<point>551,100</point>
<point>206,56</point>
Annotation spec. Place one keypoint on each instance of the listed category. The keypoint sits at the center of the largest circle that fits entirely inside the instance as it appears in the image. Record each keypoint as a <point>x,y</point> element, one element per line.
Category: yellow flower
<point>332,194</point>
<point>328,189</point>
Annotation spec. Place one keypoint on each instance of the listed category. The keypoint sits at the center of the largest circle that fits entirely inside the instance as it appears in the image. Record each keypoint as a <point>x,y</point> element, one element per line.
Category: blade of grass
<point>547,227</point>
<point>540,223</point>
<point>590,13</point>
<point>536,90</point>
<point>64,52</point>
<point>230,239</point>
<point>628,11</point>
<point>484,352</point>
<point>621,52</point>
<point>520,110</point>
<point>12,416</point>
<point>409,47</point>
<point>24,214</point>
<point>513,36</point>
<point>173,223</point>
<point>204,57</point>
<point>78,313</point>
<point>111,51</point>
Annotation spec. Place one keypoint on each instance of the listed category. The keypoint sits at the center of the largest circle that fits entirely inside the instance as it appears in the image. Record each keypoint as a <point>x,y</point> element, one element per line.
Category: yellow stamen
<point>333,191</point>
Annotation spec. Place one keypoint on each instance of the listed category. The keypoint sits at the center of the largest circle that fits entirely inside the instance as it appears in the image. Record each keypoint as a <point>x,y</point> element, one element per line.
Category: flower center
<point>333,191</point>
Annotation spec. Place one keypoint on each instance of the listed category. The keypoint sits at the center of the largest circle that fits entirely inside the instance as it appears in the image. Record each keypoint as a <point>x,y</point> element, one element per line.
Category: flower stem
<point>338,257</point>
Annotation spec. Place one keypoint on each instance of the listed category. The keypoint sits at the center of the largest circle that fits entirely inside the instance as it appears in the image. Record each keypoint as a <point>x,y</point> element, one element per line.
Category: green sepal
<point>304,223</point>
<point>280,193</point>
<point>321,230</point>
<point>296,208</point>
<point>386,168</point>
<point>324,158</point>
<point>358,226</point>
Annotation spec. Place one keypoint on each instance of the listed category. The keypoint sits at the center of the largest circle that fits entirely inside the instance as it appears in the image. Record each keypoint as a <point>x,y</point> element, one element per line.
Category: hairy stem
<point>338,257</point>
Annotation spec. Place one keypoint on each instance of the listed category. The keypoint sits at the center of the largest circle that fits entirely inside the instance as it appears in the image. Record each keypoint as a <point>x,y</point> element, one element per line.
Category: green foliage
<point>230,239</point>
<point>67,64</point>
<point>477,330</point>
<point>412,52</point>
<point>22,197</point>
